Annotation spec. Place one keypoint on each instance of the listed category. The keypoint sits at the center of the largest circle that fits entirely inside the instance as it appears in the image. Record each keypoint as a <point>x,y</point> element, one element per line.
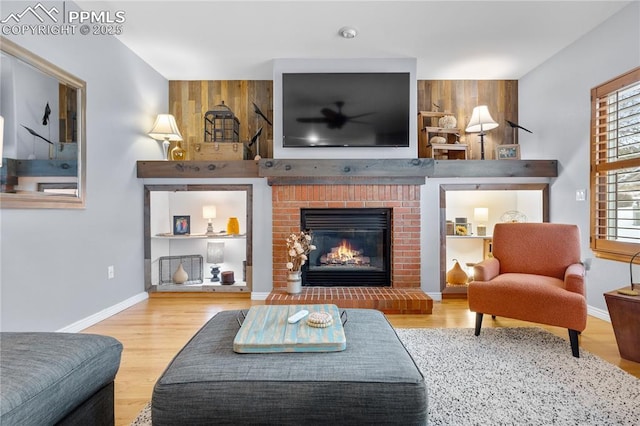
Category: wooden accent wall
<point>460,97</point>
<point>190,100</point>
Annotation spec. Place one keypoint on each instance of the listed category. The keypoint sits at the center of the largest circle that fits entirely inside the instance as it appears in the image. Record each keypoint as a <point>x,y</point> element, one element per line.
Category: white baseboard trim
<point>104,314</point>
<point>437,297</point>
<point>598,313</point>
<point>255,295</point>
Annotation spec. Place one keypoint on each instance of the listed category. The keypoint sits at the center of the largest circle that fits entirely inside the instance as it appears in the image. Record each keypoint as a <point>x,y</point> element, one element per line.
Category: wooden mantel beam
<point>346,168</point>
<point>343,169</point>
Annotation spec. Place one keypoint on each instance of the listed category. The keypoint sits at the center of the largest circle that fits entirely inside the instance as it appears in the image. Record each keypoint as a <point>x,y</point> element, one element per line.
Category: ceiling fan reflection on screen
<point>334,119</point>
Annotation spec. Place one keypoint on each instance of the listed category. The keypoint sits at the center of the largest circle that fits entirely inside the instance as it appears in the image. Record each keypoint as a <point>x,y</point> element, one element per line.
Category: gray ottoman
<point>57,378</point>
<point>373,381</point>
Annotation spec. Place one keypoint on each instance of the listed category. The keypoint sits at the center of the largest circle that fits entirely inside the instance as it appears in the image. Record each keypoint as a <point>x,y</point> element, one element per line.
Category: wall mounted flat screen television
<point>358,109</point>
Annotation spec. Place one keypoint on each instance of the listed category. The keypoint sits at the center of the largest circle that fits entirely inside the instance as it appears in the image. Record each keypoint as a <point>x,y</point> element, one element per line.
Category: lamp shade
<point>480,120</point>
<point>215,252</point>
<point>481,214</point>
<point>165,128</point>
<point>209,212</point>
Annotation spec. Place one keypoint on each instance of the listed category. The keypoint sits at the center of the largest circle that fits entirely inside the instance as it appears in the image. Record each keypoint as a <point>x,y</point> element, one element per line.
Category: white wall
<point>54,262</point>
<point>554,102</point>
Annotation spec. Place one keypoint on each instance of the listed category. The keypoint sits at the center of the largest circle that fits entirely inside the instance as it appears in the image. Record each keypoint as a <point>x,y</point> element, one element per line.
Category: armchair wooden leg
<point>478,323</point>
<point>573,338</point>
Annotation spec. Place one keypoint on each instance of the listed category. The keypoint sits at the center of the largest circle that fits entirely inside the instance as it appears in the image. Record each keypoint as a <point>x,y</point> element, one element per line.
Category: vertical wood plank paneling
<point>190,100</point>
<point>459,97</point>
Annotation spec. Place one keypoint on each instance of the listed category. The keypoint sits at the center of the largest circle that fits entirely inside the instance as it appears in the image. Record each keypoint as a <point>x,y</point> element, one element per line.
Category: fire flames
<point>344,255</point>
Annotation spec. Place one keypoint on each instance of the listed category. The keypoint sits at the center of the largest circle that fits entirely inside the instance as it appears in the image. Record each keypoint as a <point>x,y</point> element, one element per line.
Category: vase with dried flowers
<point>299,245</point>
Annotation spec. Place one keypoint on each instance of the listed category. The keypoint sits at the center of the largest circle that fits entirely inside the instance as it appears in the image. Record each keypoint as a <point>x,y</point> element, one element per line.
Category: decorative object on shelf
<point>181,225</point>
<point>515,127</point>
<point>448,122</point>
<point>227,278</point>
<point>256,140</point>
<point>456,275</point>
<point>192,264</point>
<point>209,212</point>
<point>178,153</point>
<point>481,216</point>
<point>165,129</point>
<point>450,228</point>
<point>221,125</point>
<point>294,282</point>
<point>215,255</point>
<point>480,122</point>
<point>437,140</point>
<point>220,151</point>
<point>513,216</point>
<point>264,117</point>
<point>180,276</point>
<point>508,152</point>
<point>233,226</point>
<point>470,271</point>
<point>463,229</point>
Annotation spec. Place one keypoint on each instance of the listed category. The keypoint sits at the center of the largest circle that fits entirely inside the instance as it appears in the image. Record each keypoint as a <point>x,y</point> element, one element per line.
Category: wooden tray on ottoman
<point>266,329</point>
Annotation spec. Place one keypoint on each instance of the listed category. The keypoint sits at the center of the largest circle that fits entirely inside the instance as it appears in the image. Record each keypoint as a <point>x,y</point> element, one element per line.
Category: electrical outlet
<point>581,194</point>
<point>111,272</point>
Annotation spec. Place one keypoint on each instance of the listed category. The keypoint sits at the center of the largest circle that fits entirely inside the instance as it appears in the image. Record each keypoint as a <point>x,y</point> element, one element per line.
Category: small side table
<point>625,319</point>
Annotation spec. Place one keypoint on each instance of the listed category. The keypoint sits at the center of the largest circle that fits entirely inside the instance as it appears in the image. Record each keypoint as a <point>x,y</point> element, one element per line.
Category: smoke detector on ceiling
<point>348,32</point>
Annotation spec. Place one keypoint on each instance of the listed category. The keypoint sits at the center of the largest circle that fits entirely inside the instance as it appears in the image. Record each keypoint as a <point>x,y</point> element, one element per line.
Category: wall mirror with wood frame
<point>43,136</point>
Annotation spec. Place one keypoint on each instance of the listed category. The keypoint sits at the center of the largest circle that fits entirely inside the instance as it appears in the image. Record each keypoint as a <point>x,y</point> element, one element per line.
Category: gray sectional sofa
<point>57,378</point>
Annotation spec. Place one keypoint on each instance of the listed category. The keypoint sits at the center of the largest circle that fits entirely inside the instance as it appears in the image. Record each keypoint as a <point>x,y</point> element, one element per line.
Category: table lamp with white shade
<point>209,213</point>
<point>215,256</point>
<point>165,129</point>
<point>480,122</point>
<point>481,216</point>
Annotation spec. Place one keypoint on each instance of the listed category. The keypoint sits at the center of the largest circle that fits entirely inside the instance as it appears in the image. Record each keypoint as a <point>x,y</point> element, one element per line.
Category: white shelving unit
<point>164,205</point>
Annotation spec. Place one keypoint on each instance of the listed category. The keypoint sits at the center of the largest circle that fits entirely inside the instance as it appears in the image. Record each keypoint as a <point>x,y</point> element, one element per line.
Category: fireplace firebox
<point>353,247</point>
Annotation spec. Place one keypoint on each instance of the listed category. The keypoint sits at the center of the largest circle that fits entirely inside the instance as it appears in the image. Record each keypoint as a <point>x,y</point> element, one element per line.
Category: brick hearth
<point>404,295</point>
<point>387,300</point>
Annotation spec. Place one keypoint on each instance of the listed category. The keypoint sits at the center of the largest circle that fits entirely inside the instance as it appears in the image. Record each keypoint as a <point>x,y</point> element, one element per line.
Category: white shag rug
<point>513,376</point>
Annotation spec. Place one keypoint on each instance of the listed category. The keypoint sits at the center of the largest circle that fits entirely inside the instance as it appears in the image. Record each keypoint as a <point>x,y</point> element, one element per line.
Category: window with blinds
<point>615,167</point>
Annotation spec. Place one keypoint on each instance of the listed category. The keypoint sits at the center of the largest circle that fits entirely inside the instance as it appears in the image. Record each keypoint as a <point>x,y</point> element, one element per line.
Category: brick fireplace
<point>404,294</point>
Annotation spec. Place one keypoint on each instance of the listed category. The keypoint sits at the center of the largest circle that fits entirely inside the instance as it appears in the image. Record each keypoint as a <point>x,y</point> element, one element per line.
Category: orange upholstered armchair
<point>535,275</point>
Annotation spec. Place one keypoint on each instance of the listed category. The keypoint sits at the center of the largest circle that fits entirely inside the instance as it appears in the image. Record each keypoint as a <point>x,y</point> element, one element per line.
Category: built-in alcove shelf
<point>306,170</point>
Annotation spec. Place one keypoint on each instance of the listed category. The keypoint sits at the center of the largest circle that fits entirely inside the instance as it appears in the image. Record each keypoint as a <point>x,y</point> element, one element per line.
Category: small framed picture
<point>181,225</point>
<point>508,152</point>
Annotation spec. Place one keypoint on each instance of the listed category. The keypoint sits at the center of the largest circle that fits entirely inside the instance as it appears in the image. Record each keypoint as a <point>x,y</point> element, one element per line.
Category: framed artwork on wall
<point>181,225</point>
<point>508,152</point>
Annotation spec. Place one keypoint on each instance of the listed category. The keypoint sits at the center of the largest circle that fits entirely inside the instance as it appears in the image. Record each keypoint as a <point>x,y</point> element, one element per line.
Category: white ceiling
<point>237,40</point>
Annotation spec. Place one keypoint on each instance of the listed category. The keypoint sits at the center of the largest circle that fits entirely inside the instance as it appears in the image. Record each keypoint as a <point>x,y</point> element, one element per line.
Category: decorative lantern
<point>221,125</point>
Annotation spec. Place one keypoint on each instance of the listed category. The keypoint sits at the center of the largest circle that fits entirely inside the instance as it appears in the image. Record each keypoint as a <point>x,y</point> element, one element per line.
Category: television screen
<point>345,109</point>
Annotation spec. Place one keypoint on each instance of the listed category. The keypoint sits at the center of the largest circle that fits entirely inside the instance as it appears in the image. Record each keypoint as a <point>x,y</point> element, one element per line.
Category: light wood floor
<point>154,330</point>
